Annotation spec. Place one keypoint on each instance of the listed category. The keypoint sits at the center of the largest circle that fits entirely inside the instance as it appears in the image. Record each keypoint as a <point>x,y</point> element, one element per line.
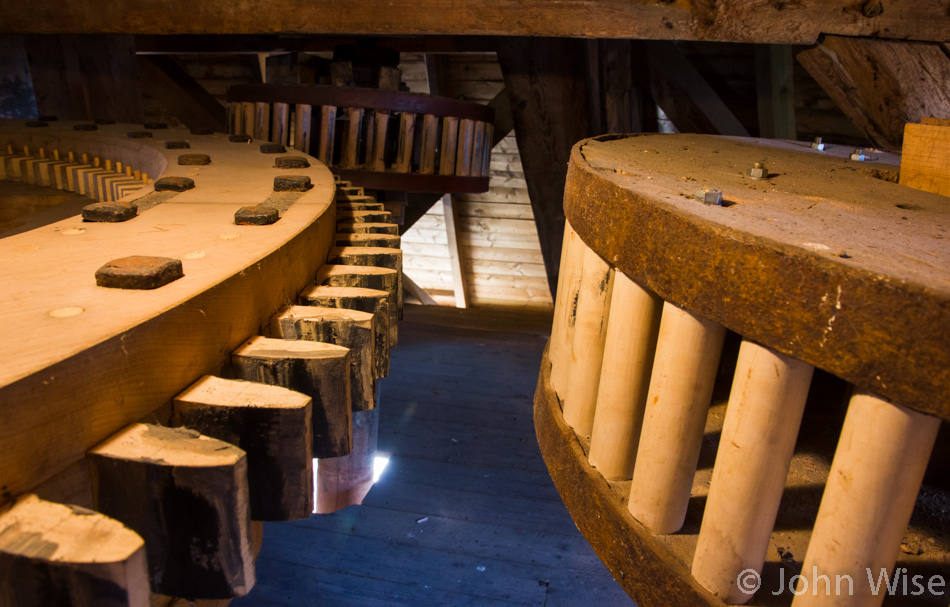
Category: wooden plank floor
<point>465,514</point>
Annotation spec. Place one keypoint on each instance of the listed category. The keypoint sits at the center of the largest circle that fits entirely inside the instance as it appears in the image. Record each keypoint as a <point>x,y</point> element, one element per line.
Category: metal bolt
<point>709,196</point>
<point>259,215</point>
<point>202,131</point>
<point>138,134</point>
<point>84,127</point>
<point>858,154</point>
<point>292,183</point>
<point>199,159</point>
<point>155,125</point>
<point>757,171</point>
<point>817,144</point>
<point>291,162</point>
<point>109,212</point>
<point>239,138</point>
<point>173,184</point>
<point>36,123</point>
<point>272,148</point>
<point>139,272</point>
<point>177,145</point>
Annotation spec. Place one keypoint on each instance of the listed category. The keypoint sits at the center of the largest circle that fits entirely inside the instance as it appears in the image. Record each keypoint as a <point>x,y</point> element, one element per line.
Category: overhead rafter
<point>773,22</point>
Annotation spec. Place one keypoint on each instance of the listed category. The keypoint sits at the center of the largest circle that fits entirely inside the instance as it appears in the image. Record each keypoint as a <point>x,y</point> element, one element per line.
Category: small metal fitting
<point>757,171</point>
<point>858,154</point>
<point>259,215</point>
<point>197,159</point>
<point>109,212</point>
<point>709,196</point>
<point>292,183</point>
<point>817,144</point>
<point>291,162</point>
<point>139,272</point>
<point>173,184</point>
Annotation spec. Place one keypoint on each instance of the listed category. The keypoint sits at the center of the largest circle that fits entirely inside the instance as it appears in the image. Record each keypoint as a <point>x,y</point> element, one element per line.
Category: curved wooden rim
<point>397,101</point>
<point>892,337</point>
<point>68,383</point>
<point>643,567</point>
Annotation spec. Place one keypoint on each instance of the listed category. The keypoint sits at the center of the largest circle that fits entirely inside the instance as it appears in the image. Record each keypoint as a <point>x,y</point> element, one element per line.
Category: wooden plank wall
<point>501,255</point>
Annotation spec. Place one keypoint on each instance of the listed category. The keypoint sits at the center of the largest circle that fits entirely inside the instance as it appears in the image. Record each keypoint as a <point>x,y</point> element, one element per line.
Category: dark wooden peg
<point>67,556</point>
<point>109,212</point>
<point>272,425</point>
<point>138,135</point>
<point>139,272</point>
<point>291,162</point>
<point>292,183</point>
<point>258,215</point>
<point>321,371</point>
<point>272,148</point>
<point>173,184</point>
<point>177,145</point>
<point>186,495</point>
<point>194,159</point>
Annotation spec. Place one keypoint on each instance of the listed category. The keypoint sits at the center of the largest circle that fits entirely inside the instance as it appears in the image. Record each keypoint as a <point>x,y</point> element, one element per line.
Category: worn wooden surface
<point>51,554</point>
<point>272,425</point>
<point>881,84</point>
<point>186,495</point>
<point>737,22</point>
<point>924,158</point>
<point>125,353</point>
<point>846,271</point>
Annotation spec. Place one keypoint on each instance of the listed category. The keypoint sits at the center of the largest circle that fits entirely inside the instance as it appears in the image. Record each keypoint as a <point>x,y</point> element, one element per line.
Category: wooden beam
<point>504,122</point>
<point>547,83</point>
<point>418,292</point>
<point>730,21</point>
<point>685,96</point>
<point>85,77</point>
<point>455,255</point>
<point>881,85</point>
<point>166,81</point>
<point>774,66</point>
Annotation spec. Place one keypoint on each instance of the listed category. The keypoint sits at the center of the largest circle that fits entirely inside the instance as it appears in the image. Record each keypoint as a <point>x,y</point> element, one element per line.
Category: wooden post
<point>351,140</point>
<point>450,213</point>
<point>478,150</point>
<point>449,147</point>
<point>302,128</point>
<point>587,347</point>
<point>280,129</point>
<point>407,129</point>
<point>272,425</point>
<point>348,328</point>
<point>774,83</point>
<point>248,109</point>
<point>466,141</point>
<point>67,556</point>
<point>345,481</point>
<point>562,329</point>
<point>319,370</point>
<point>261,121</point>
<point>681,385</point>
<point>872,487</point>
<point>327,134</point>
<point>368,277</point>
<point>624,378</point>
<point>758,436</point>
<point>371,301</point>
<point>380,257</point>
<point>430,131</point>
<point>187,496</point>
<point>378,162</point>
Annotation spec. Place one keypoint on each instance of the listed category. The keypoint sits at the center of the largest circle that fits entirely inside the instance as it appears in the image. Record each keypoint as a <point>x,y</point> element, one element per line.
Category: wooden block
<point>378,162</point>
<point>368,277</point>
<point>351,139</point>
<point>327,134</point>
<point>319,370</point>
<point>272,425</point>
<point>449,147</point>
<point>187,496</point>
<point>302,127</point>
<point>367,240</point>
<point>430,131</point>
<point>368,228</point>
<point>466,142</point>
<point>345,205</point>
<point>371,301</point>
<point>345,481</point>
<point>349,328</point>
<point>381,257</point>
<point>407,130</point>
<point>67,556</point>
<point>924,157</point>
<point>343,217</point>
<point>280,127</point>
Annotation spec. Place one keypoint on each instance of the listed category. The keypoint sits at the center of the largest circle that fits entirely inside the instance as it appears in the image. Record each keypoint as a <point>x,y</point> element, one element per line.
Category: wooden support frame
<point>774,83</point>
<point>455,255</point>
